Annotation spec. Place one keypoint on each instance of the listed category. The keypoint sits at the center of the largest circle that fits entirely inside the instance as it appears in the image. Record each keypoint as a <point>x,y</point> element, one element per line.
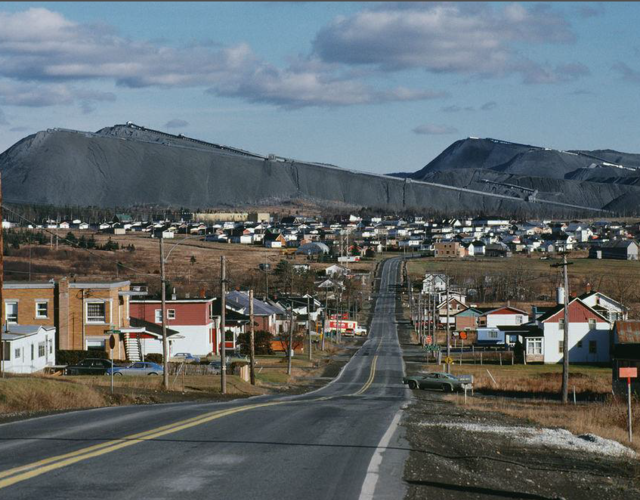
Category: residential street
<point>341,441</point>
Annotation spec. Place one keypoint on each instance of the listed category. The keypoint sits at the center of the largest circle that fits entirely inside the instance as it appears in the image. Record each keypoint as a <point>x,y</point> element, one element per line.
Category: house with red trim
<point>589,335</point>
<point>193,319</point>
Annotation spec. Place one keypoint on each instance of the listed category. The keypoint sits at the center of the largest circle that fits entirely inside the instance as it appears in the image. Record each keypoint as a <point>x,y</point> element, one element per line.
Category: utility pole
<point>165,340</point>
<point>448,329</point>
<point>565,342</point>
<point>1,286</point>
<point>223,305</point>
<point>290,350</point>
<point>309,325</point>
<point>252,346</point>
<point>324,316</point>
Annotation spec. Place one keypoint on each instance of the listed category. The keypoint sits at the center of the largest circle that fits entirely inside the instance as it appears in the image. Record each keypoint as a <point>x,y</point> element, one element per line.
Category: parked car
<point>215,367</point>
<point>435,380</point>
<point>138,368</point>
<point>89,366</point>
<point>184,357</point>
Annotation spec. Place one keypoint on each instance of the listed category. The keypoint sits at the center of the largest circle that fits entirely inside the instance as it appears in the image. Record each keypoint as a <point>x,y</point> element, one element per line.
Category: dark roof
<point>628,332</point>
<point>150,327</point>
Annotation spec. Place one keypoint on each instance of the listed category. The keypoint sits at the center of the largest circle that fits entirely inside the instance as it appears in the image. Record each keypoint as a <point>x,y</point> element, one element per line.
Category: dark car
<point>436,380</point>
<point>89,366</point>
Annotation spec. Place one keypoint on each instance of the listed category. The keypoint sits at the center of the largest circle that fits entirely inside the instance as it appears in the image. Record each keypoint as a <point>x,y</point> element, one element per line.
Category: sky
<point>379,87</point>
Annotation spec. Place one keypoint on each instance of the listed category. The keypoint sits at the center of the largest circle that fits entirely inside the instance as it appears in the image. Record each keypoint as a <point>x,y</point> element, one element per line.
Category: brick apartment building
<point>448,249</point>
<point>83,312</point>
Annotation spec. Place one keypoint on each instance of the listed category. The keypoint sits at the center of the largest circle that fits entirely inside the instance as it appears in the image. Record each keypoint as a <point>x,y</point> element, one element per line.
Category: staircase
<point>132,347</point>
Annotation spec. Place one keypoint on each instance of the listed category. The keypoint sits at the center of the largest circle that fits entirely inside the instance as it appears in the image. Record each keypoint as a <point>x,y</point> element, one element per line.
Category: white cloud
<point>471,39</point>
<point>48,51</point>
<point>432,129</point>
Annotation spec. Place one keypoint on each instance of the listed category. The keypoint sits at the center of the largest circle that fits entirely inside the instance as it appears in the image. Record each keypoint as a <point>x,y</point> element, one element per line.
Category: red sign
<point>343,316</point>
<point>463,335</point>
<point>429,339</point>
<point>628,372</point>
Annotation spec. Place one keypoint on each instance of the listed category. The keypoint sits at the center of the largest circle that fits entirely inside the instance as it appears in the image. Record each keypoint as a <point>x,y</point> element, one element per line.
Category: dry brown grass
<point>33,394</point>
<point>144,264</point>
<point>542,380</point>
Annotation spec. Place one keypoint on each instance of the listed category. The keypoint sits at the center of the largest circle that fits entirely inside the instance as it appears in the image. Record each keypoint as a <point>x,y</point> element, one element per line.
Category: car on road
<point>184,357</point>
<point>89,366</point>
<point>434,380</point>
<point>138,368</point>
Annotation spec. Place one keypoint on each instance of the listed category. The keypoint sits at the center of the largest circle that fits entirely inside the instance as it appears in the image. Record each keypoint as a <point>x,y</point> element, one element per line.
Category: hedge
<point>64,357</point>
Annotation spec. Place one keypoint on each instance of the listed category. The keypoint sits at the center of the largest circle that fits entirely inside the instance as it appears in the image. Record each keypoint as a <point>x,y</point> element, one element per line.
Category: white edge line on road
<point>371,479</point>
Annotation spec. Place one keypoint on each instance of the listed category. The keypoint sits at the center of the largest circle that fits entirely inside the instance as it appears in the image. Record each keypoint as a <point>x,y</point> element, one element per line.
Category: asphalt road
<point>341,441</point>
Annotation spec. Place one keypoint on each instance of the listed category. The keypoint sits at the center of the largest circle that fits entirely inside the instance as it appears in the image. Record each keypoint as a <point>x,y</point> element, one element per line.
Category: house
<point>193,320</point>
<point>265,315</point>
<point>454,307</point>
<point>606,306</point>
<point>497,250</point>
<point>28,348</point>
<point>84,313</point>
<point>274,240</point>
<point>620,250</point>
<point>434,282</point>
<point>503,316</point>
<point>625,353</point>
<point>449,249</point>
<point>313,248</point>
<point>336,271</point>
<point>467,320</point>
<point>589,334</point>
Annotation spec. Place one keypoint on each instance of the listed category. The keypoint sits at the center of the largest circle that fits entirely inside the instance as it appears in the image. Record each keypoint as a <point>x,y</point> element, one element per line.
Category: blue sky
<point>381,87</point>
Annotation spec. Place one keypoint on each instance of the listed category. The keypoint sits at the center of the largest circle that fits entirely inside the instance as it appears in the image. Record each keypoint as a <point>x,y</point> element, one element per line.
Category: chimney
<point>173,295</point>
<point>202,293</point>
<point>574,295</point>
<point>587,288</point>
<point>560,295</point>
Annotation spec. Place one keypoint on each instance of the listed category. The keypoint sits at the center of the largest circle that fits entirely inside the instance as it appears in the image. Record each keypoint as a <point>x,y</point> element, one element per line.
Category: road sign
<point>630,372</point>
<point>448,360</point>
<point>429,339</point>
<point>112,342</point>
<point>463,335</point>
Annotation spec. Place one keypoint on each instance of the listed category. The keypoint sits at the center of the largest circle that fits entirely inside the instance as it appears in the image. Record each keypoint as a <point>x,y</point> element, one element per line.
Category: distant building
<point>449,249</point>
<point>28,348</point>
<point>621,250</point>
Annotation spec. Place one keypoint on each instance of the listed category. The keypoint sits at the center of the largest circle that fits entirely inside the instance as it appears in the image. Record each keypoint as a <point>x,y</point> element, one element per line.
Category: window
<point>158,316</point>
<point>42,309</point>
<point>493,334</point>
<point>579,344</point>
<point>560,346</point>
<point>16,353</point>
<point>96,312</point>
<point>171,314</point>
<point>12,312</point>
<point>561,324</point>
<point>593,347</point>
<point>41,349</point>
<point>534,346</point>
<point>6,354</point>
<point>518,319</point>
<point>592,324</point>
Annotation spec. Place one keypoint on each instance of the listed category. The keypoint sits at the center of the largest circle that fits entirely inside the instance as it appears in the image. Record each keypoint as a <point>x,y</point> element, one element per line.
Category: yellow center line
<point>24,472</point>
<point>371,377</point>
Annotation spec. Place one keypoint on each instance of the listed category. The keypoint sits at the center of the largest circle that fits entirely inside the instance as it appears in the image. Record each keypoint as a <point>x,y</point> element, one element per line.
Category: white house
<point>434,282</point>
<point>504,316</point>
<point>28,348</point>
<point>606,306</point>
<point>589,335</point>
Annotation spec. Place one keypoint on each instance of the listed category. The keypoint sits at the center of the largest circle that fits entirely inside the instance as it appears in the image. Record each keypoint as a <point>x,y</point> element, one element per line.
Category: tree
<point>71,239</point>
<point>262,342</point>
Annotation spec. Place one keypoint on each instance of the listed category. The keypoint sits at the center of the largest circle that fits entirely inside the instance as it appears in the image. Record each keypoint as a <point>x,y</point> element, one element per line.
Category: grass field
<point>143,264</point>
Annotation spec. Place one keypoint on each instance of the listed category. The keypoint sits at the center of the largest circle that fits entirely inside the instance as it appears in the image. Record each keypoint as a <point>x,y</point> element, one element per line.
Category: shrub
<point>262,342</point>
<point>64,357</point>
<point>153,358</point>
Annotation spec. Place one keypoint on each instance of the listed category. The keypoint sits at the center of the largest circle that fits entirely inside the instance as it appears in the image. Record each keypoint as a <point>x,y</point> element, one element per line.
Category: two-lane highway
<point>337,442</point>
